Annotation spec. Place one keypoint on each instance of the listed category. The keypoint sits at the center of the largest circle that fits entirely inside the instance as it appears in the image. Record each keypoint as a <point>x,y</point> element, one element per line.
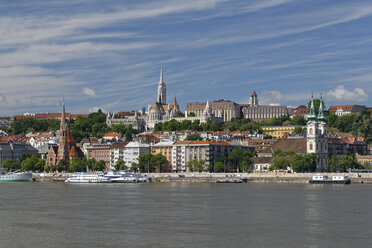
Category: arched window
<point>311,131</point>
<point>311,146</point>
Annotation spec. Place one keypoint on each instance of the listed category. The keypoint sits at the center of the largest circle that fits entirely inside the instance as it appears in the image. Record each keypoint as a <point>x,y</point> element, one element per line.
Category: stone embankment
<point>195,177</point>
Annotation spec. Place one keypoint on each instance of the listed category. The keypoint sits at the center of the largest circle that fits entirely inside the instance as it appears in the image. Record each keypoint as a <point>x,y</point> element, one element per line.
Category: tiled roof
<point>343,107</point>
<point>112,135</point>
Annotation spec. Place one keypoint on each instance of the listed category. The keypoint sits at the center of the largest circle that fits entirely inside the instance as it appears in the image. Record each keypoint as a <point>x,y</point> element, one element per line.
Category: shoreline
<point>203,177</point>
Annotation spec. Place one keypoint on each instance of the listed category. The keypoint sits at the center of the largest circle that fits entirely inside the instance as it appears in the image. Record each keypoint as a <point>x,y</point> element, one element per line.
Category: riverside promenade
<point>205,177</point>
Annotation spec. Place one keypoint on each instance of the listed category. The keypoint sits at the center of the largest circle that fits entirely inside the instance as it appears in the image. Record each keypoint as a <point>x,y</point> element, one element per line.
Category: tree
<point>333,164</point>
<point>99,166</point>
<point>33,163</point>
<point>9,164</point>
<point>193,137</point>
<point>160,161</point>
<point>129,134</point>
<point>77,165</point>
<point>348,162</point>
<point>134,167</point>
<point>240,159</point>
<point>146,163</point>
<point>61,165</point>
<point>191,114</point>
<point>297,130</point>
<point>196,165</point>
<point>316,104</point>
<point>280,164</point>
<point>219,166</point>
<point>120,165</point>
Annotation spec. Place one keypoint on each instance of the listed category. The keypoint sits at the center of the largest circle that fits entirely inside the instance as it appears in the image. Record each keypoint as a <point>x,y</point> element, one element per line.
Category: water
<point>185,215</point>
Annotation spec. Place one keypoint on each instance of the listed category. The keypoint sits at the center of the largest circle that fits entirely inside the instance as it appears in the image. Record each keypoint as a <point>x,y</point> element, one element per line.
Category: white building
<point>116,153</point>
<point>317,136</point>
<point>133,150</point>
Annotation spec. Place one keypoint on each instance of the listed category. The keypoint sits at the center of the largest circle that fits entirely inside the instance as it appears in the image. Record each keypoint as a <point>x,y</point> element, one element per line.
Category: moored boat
<point>88,178</point>
<point>15,176</point>
<point>322,179</point>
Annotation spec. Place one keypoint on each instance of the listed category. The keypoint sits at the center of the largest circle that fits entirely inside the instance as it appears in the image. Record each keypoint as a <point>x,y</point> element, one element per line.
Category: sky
<point>108,54</point>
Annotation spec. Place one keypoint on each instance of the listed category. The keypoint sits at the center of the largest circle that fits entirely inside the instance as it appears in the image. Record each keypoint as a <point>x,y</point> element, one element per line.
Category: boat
<point>17,176</point>
<point>88,178</point>
<point>126,177</point>
<point>230,180</point>
<point>322,179</point>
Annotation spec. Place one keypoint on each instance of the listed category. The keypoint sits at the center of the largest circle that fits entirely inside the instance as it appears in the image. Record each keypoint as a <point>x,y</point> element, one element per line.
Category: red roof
<point>112,135</point>
<point>343,107</point>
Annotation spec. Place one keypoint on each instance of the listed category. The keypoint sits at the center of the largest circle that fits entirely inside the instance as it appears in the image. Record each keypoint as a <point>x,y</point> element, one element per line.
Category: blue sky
<point>108,54</point>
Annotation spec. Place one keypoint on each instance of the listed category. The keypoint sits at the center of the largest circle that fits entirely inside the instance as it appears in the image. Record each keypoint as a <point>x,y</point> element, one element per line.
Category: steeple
<point>321,116</point>
<point>63,151</point>
<point>253,100</point>
<point>162,91</point>
<point>312,114</point>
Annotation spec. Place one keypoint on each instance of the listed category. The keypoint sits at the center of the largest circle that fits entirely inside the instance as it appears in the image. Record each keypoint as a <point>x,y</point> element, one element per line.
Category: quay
<point>204,177</point>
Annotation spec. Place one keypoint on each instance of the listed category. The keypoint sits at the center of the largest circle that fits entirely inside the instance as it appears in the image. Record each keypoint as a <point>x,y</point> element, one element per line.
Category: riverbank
<point>195,177</point>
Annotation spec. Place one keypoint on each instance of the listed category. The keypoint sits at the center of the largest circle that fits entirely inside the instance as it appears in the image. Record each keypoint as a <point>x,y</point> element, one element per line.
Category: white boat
<point>322,179</point>
<point>15,176</point>
<point>88,178</point>
<point>125,177</point>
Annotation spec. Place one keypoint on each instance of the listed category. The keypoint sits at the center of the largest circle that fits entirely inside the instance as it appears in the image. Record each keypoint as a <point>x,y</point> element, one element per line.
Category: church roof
<point>70,140</point>
<point>254,93</point>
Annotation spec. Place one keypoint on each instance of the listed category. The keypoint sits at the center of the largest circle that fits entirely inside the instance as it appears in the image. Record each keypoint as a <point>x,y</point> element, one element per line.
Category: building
<point>100,152</point>
<point>117,153</point>
<point>84,143</point>
<point>364,159</point>
<point>164,148</point>
<point>138,123</point>
<point>185,151</point>
<point>112,137</point>
<point>280,131</point>
<point>260,113</point>
<point>15,151</point>
<point>317,135</point>
<point>341,110</point>
<point>6,121</point>
<point>66,148</point>
<point>133,150</point>
<point>301,110</point>
<point>258,144</point>
<point>224,109</point>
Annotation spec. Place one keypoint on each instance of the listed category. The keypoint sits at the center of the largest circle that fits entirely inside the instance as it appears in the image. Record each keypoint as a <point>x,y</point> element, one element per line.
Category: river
<point>185,215</point>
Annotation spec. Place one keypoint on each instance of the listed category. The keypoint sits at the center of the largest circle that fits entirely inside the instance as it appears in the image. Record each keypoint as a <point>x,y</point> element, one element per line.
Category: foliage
<point>346,162</point>
<point>10,165</point>
<point>358,124</point>
<point>99,166</point>
<point>120,165</point>
<point>179,114</point>
<point>280,164</point>
<point>191,114</point>
<point>240,159</point>
<point>22,126</point>
<point>33,163</point>
<point>78,165</point>
<point>304,163</point>
<point>129,134</point>
<point>297,130</point>
<point>153,163</point>
<point>61,165</point>
<point>316,104</point>
<point>196,165</point>
<point>279,153</point>
<point>193,137</point>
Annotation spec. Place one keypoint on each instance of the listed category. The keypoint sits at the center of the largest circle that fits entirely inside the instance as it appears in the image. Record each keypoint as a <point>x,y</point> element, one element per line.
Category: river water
<point>185,215</point>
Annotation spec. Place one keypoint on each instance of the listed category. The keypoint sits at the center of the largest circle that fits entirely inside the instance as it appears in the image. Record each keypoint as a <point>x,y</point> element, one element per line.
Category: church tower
<point>63,152</point>
<point>253,100</point>
<point>322,155</point>
<point>162,91</point>
<point>312,129</point>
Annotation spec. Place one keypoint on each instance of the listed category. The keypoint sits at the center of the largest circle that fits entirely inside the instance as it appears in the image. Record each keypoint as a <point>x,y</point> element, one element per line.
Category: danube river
<point>185,215</point>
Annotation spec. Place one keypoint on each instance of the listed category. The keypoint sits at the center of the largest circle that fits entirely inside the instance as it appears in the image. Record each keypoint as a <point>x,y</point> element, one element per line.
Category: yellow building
<point>280,131</point>
<point>164,148</point>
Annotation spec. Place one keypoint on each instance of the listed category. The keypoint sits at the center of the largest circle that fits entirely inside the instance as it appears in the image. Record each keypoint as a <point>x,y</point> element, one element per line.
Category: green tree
<point>193,137</point>
<point>297,130</point>
<point>146,163</point>
<point>196,165</point>
<point>77,165</point>
<point>129,134</point>
<point>219,166</point>
<point>160,161</point>
<point>99,166</point>
<point>120,165</point>
<point>8,164</point>
<point>333,164</point>
<point>280,164</point>
<point>191,114</point>
<point>134,167</point>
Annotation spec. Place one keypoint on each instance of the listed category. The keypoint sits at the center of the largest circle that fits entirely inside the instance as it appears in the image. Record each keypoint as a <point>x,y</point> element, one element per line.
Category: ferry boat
<point>230,180</point>
<point>125,177</point>
<point>88,178</point>
<point>15,176</point>
<point>319,179</point>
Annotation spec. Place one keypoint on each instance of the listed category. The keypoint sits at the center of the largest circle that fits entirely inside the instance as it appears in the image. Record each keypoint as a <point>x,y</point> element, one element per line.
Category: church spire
<point>162,92</point>
<point>312,114</point>
<point>321,116</point>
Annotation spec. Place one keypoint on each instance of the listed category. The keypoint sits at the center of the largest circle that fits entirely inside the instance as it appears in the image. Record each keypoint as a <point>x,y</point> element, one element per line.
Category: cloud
<point>95,109</point>
<point>270,98</point>
<point>2,98</point>
<point>340,93</point>
<point>89,92</point>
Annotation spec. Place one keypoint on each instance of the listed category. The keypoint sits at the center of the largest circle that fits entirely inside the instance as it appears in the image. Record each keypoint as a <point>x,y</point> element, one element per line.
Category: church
<point>160,111</point>
<point>66,148</point>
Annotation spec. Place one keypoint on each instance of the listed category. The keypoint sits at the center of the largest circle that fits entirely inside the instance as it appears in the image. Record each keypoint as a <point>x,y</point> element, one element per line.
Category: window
<point>311,131</point>
<point>311,146</point>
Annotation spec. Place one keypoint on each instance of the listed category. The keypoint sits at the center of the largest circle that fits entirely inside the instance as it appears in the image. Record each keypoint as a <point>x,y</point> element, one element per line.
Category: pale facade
<point>133,150</point>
